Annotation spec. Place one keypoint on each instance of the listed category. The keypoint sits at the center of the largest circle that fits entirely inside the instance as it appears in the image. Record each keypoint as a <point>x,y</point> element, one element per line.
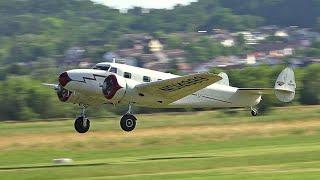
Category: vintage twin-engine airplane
<point>113,83</point>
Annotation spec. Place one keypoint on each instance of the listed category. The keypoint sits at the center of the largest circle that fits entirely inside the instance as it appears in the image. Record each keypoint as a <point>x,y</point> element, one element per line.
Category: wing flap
<point>170,90</point>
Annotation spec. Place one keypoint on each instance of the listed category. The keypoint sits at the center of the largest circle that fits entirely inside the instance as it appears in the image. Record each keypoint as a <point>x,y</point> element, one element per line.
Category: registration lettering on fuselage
<point>184,83</point>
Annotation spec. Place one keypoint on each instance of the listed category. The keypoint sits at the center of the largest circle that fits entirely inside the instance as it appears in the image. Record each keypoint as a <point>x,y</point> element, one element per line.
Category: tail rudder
<point>285,85</point>
<point>224,80</point>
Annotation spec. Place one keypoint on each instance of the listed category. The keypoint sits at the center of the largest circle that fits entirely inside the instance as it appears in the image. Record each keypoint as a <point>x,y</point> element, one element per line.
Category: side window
<point>127,75</point>
<point>146,79</point>
<point>114,70</point>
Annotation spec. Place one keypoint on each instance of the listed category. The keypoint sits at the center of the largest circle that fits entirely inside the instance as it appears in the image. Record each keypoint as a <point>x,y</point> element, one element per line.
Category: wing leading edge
<point>171,90</point>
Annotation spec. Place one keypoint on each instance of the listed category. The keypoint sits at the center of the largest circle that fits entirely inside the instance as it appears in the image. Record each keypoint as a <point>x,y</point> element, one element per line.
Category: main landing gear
<point>128,121</point>
<point>82,123</point>
<point>254,111</point>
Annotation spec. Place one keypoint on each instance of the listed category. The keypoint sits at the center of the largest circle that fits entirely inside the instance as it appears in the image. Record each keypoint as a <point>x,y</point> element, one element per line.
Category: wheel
<point>254,112</point>
<point>82,124</point>
<point>128,122</point>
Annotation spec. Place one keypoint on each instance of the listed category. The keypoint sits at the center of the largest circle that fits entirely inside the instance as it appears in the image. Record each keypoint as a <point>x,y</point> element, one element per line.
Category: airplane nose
<point>64,79</point>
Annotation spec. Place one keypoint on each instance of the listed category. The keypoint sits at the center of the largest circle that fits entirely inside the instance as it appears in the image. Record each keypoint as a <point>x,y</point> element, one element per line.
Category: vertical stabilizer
<point>285,85</point>
<point>224,80</point>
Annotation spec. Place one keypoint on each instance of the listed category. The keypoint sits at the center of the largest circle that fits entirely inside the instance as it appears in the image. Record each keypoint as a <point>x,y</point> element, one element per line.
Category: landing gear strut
<point>128,121</point>
<point>254,111</point>
<point>82,124</point>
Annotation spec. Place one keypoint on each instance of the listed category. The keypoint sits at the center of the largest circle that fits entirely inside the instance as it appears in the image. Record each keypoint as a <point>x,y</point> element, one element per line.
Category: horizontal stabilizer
<point>259,91</point>
<point>284,88</point>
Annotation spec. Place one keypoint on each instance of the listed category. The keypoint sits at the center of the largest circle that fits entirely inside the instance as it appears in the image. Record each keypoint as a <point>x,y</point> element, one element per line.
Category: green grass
<point>207,145</point>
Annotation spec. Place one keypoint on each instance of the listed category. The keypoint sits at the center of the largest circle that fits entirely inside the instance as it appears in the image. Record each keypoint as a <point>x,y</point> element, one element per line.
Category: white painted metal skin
<point>86,86</point>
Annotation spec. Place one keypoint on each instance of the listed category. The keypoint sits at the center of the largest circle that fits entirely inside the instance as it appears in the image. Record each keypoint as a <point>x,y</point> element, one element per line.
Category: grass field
<point>194,145</point>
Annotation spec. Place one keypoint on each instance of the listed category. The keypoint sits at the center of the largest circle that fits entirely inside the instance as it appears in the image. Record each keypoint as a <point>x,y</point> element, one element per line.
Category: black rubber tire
<point>78,125</point>
<point>128,122</point>
<point>254,112</point>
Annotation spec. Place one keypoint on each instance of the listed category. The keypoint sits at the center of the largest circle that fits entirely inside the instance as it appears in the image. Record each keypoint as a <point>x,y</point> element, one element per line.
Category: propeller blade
<point>53,86</point>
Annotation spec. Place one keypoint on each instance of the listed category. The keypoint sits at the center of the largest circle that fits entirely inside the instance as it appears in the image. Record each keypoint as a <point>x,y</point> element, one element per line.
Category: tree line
<point>33,29</point>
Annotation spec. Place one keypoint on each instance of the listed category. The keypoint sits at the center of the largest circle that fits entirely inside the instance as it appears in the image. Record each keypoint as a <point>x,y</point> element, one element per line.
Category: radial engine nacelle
<point>110,87</point>
<point>114,88</point>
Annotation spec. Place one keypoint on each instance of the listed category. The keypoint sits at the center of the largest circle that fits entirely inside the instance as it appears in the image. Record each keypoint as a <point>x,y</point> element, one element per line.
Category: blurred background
<point>251,40</point>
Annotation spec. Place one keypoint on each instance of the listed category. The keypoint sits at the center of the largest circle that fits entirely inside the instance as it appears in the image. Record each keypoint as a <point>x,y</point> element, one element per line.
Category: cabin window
<point>146,79</point>
<point>114,70</point>
<point>102,67</point>
<point>127,75</point>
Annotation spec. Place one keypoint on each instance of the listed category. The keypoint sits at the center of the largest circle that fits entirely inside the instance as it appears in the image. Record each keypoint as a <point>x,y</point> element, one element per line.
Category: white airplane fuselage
<point>112,83</point>
<point>86,87</point>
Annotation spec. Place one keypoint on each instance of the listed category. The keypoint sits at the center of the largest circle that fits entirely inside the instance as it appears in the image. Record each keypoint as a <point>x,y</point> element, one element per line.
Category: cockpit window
<point>114,70</point>
<point>102,67</point>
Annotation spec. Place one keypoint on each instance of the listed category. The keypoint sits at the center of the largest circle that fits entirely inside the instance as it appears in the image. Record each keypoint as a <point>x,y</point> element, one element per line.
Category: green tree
<point>311,85</point>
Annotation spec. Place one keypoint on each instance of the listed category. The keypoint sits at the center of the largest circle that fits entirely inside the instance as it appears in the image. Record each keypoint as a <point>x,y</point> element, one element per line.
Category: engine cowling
<point>63,94</point>
<point>114,88</point>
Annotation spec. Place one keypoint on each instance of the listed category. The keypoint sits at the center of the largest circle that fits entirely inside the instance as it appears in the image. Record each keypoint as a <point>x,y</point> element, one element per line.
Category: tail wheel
<point>128,122</point>
<point>82,124</point>
<point>254,112</point>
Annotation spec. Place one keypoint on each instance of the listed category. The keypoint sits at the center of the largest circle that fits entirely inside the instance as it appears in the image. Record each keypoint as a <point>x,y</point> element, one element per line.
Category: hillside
<point>33,29</point>
<point>279,12</point>
<point>234,15</point>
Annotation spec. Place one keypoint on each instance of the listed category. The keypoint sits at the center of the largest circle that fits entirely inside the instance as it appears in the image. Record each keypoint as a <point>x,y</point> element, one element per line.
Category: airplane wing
<point>170,90</point>
<point>258,91</point>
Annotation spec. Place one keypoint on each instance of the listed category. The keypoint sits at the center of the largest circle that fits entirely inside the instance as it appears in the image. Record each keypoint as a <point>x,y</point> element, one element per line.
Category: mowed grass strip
<point>210,145</point>
<point>154,129</point>
<point>251,164</point>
